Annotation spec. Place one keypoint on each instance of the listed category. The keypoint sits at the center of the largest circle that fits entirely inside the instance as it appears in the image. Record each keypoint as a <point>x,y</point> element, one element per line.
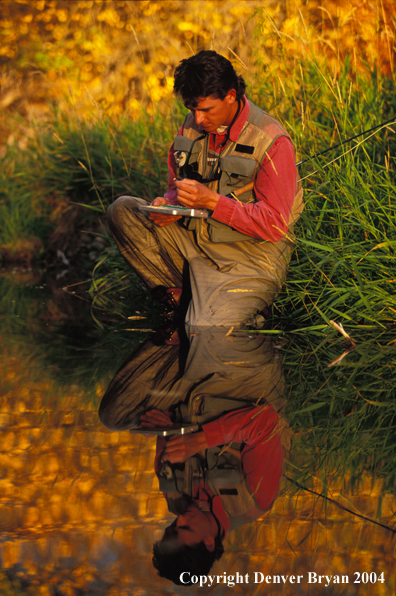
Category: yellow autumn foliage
<point>121,55</point>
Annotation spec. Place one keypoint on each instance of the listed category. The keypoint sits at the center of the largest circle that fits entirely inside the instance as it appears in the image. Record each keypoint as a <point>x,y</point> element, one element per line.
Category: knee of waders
<point>109,418</point>
<point>116,211</point>
<point>122,207</point>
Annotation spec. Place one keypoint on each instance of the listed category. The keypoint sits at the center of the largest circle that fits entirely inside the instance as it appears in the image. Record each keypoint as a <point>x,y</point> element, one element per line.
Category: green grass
<point>344,263</point>
<point>344,415</point>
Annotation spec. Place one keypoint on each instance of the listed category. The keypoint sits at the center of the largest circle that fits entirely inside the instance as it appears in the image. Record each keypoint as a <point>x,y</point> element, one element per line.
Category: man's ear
<point>231,95</point>
<point>210,543</point>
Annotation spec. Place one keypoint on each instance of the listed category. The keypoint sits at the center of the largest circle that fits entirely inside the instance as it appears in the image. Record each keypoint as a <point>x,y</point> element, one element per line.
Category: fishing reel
<point>184,169</point>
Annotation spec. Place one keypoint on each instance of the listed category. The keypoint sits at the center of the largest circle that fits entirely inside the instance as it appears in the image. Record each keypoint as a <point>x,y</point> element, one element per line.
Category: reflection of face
<point>211,112</point>
<point>195,526</point>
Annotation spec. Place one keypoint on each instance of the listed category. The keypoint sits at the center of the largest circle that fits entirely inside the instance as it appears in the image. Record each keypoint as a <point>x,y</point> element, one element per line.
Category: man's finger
<point>186,182</point>
<point>159,201</point>
<point>172,448</point>
<point>180,453</point>
<point>176,440</point>
<point>156,416</point>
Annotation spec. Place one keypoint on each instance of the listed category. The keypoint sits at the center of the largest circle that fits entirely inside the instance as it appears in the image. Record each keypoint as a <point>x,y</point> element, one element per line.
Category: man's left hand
<point>195,195</point>
<point>161,219</point>
<point>155,418</point>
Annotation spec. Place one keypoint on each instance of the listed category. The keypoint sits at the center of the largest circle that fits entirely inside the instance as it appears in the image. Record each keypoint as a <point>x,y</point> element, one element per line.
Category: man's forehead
<point>203,102</point>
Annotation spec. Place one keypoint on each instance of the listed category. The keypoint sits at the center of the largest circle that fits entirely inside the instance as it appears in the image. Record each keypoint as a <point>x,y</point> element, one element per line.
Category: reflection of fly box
<point>175,210</point>
<point>175,429</point>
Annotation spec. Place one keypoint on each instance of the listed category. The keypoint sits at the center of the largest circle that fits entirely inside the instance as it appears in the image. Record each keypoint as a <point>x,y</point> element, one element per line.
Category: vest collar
<point>240,121</point>
<point>204,496</point>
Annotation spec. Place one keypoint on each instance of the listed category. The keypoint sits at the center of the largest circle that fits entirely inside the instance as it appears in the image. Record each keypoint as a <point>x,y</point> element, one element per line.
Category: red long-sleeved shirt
<point>275,187</point>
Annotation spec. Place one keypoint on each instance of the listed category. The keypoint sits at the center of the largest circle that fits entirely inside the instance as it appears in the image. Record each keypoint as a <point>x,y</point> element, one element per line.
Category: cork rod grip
<point>240,191</point>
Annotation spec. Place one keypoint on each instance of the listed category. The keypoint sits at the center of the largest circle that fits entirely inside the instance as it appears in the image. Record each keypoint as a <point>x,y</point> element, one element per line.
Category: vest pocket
<point>186,151</point>
<point>236,171</point>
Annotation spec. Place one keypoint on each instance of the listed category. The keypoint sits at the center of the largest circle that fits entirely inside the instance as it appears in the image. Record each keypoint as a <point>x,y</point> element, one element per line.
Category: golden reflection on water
<point>80,508</point>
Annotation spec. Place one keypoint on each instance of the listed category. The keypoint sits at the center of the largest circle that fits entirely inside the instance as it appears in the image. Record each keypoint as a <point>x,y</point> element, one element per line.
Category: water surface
<point>80,505</point>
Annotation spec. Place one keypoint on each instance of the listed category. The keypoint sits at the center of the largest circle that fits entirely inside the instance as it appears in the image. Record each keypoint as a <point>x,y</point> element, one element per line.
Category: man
<point>238,162</point>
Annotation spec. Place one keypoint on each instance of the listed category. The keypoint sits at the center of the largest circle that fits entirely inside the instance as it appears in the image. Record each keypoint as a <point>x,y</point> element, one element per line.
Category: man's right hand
<point>161,219</point>
<point>181,447</point>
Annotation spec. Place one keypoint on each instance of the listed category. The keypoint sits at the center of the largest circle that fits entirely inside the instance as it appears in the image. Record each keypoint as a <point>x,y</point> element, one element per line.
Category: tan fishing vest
<point>237,166</point>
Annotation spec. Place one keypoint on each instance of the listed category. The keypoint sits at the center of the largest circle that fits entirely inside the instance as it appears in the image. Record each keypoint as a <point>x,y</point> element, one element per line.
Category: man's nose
<point>199,117</point>
<point>180,520</point>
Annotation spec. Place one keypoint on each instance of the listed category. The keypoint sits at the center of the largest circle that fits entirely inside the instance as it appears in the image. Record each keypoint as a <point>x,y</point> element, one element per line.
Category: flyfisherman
<point>236,161</point>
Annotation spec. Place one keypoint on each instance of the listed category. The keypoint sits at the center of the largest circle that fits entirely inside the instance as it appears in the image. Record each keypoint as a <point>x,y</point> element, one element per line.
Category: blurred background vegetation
<point>122,54</point>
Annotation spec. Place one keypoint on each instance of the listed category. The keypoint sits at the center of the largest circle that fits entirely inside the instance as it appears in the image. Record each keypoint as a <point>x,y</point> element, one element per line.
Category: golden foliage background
<point>121,54</point>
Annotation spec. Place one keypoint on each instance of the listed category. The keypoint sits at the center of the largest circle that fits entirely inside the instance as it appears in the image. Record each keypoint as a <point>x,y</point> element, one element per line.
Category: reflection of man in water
<point>234,464</point>
<point>228,472</point>
<point>237,161</point>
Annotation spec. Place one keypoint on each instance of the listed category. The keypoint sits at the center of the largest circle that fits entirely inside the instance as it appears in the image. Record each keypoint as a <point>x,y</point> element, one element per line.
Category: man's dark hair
<point>171,558</point>
<point>207,73</point>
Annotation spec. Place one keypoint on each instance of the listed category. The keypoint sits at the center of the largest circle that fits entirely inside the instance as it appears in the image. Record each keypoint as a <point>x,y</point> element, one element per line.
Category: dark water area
<point>303,478</point>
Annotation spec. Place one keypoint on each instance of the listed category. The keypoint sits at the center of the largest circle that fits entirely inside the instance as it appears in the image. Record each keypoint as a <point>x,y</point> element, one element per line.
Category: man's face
<point>192,527</point>
<point>211,112</point>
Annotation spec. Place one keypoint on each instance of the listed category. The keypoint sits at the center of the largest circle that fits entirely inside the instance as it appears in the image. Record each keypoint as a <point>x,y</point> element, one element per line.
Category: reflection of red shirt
<point>275,187</point>
<point>261,455</point>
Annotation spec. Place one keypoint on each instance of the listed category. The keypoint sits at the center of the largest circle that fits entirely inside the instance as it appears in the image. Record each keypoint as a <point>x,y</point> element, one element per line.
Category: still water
<point>81,505</point>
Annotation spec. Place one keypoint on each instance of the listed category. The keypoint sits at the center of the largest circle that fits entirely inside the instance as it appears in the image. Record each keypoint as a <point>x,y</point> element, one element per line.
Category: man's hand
<point>195,195</point>
<point>159,218</point>
<point>181,447</point>
<point>155,418</point>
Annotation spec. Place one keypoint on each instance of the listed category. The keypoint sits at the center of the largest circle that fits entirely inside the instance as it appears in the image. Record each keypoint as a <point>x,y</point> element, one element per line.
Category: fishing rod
<point>313,492</point>
<point>347,141</point>
<point>250,185</point>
